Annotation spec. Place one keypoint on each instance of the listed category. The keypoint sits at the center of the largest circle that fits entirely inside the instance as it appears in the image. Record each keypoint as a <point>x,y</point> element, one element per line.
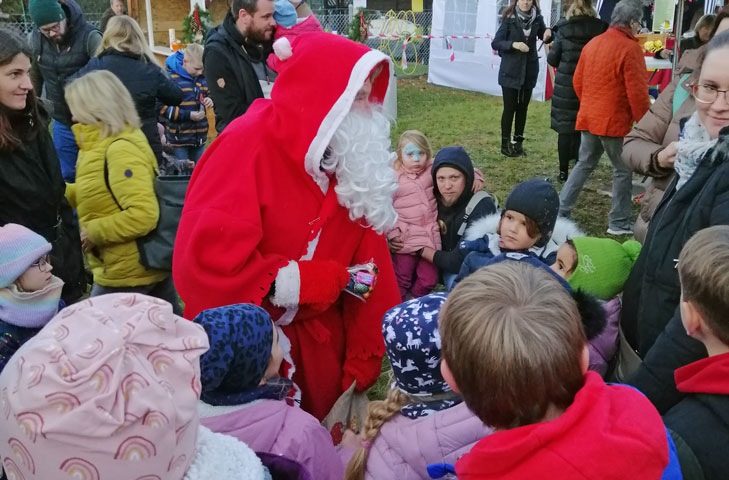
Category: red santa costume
<point>262,222</point>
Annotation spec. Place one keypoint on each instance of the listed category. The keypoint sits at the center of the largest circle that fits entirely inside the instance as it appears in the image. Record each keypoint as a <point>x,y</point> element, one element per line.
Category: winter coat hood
<point>405,447</point>
<point>705,376</point>
<point>273,426</point>
<point>329,97</point>
<point>564,229</point>
<point>606,429</point>
<point>173,64</point>
<point>454,157</point>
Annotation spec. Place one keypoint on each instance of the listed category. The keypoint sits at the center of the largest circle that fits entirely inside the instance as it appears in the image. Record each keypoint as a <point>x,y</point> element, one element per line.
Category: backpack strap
<point>475,200</point>
<point>106,172</point>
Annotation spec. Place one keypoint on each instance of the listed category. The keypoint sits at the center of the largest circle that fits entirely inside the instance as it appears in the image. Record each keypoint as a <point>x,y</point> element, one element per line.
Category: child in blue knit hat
<point>29,293</point>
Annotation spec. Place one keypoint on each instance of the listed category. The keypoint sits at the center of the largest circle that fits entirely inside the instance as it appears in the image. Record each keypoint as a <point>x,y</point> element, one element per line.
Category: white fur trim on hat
<point>288,286</point>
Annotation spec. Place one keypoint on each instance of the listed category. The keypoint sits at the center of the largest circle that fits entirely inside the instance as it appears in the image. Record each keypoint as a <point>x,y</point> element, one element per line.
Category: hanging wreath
<point>196,26</point>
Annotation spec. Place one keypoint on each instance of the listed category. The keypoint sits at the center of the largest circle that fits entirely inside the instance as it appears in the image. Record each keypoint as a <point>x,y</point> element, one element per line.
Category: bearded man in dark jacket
<point>63,42</point>
<point>235,59</point>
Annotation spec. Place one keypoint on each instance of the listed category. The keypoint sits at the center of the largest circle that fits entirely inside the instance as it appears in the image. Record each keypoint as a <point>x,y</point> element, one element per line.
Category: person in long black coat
<point>31,187</point>
<point>516,43</point>
<point>124,52</point>
<point>572,33</point>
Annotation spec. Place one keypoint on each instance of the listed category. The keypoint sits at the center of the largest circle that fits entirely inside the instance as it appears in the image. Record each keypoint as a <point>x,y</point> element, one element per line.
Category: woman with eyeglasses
<point>31,186</point>
<point>697,198</point>
<point>29,293</point>
<point>649,148</point>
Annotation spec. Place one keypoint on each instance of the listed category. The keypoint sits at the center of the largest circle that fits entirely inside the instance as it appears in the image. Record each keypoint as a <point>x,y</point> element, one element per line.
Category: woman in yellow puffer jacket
<point>107,132</point>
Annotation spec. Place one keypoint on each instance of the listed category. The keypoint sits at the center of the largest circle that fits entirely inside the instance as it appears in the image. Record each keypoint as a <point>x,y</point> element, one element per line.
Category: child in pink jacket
<point>422,421</point>
<point>417,223</point>
<point>243,396</point>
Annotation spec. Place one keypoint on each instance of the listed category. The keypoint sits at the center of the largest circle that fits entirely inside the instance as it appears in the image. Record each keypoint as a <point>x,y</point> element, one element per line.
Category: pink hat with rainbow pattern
<point>108,389</point>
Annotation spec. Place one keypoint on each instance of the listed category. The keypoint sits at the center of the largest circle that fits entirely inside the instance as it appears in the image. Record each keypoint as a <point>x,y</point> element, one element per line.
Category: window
<point>460,19</point>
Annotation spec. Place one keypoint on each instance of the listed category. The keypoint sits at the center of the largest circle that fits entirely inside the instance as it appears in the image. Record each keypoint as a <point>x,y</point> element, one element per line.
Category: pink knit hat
<point>107,389</point>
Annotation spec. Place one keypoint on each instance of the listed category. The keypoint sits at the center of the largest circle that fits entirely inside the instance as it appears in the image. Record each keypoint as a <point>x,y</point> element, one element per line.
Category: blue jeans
<point>66,149</point>
<point>164,290</point>
<point>188,152</point>
<point>591,148</point>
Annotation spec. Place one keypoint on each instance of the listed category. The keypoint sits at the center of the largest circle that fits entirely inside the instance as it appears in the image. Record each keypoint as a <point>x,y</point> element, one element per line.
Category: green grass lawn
<point>457,117</point>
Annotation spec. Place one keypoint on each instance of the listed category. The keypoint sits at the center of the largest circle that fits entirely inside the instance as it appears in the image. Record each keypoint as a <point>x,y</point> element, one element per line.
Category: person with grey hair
<point>612,86</point>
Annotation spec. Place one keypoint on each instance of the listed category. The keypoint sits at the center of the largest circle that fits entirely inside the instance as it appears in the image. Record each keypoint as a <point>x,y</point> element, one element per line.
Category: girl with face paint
<point>417,224</point>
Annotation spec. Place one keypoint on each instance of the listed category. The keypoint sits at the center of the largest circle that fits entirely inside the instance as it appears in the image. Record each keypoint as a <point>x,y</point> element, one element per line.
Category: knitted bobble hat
<point>44,12</point>
<point>284,13</point>
<point>20,248</point>
<point>536,199</point>
<point>603,265</point>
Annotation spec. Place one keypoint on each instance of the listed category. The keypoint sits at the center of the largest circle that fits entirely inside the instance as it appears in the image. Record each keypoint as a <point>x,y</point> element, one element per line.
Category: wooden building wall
<point>168,14</point>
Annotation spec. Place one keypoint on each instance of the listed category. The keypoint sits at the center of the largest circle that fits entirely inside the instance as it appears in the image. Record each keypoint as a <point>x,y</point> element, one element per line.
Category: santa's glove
<point>309,282</point>
<point>365,372</point>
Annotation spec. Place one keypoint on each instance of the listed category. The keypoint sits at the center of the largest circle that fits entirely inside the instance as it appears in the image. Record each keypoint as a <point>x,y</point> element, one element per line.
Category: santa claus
<point>289,196</point>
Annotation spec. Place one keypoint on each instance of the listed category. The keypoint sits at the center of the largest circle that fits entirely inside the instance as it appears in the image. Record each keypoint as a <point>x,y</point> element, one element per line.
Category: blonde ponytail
<point>378,412</point>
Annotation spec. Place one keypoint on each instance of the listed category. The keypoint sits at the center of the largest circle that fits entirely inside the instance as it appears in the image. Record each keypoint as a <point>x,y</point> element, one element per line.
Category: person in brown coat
<point>649,149</point>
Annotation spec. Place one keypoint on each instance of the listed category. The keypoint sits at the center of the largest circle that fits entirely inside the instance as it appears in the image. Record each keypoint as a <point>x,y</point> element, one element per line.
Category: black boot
<point>506,149</point>
<point>518,146</point>
<point>564,167</point>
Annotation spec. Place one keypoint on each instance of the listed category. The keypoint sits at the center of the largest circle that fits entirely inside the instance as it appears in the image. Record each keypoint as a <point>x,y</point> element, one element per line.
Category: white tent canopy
<point>474,65</point>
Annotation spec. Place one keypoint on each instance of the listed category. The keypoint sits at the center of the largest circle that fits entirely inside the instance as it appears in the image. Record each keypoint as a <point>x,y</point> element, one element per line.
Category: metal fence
<point>19,20</point>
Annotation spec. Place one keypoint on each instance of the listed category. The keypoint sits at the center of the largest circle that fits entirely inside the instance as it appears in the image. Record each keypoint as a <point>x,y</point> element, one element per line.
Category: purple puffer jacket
<point>274,427</point>
<point>604,346</point>
<point>405,447</point>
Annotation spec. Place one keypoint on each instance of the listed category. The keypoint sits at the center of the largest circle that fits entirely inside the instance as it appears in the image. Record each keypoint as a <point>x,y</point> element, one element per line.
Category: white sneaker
<point>620,231</point>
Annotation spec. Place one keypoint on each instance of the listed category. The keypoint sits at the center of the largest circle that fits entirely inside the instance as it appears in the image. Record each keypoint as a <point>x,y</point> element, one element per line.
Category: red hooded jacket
<point>257,200</point>
<point>609,432</point>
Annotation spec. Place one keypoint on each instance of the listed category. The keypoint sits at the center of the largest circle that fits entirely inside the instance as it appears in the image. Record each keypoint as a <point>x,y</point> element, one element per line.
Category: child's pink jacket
<point>414,201</point>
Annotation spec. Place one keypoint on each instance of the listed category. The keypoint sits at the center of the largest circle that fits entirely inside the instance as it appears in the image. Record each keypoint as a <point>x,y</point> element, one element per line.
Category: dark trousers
<point>164,290</point>
<point>568,146</point>
<point>516,104</point>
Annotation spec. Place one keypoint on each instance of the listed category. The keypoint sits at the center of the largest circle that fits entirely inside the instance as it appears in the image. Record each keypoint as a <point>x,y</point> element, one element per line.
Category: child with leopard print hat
<point>244,397</point>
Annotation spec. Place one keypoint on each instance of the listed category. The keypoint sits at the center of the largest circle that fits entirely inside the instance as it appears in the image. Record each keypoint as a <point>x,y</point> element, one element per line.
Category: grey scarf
<point>525,20</point>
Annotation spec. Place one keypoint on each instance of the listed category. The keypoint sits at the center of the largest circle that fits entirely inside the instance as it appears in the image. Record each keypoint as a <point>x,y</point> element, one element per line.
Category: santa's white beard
<point>361,159</point>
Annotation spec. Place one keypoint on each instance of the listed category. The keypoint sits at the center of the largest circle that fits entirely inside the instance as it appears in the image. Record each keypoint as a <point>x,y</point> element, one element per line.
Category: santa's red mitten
<point>366,372</point>
<point>309,282</point>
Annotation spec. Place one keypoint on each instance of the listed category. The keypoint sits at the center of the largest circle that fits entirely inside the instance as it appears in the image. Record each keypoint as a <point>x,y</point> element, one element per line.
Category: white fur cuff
<point>288,285</point>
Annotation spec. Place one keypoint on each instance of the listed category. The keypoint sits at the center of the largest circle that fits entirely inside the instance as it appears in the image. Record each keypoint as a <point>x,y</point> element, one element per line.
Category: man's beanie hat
<point>603,265</point>
<point>44,12</point>
<point>20,248</point>
<point>538,200</point>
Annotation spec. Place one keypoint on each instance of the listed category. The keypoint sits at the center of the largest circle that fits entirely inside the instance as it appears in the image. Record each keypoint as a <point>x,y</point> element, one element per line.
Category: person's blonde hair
<point>513,339</point>
<point>193,51</point>
<point>378,413</point>
<point>581,8</point>
<point>100,98</point>
<point>703,267</point>
<point>415,137</point>
<point>123,34</point>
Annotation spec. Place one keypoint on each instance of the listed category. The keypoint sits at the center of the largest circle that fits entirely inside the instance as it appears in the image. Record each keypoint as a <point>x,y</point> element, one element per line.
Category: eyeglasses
<point>43,264</point>
<point>53,28</point>
<point>708,93</point>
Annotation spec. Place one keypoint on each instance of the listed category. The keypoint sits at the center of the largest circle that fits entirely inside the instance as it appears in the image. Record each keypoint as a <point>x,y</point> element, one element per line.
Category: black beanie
<point>538,200</point>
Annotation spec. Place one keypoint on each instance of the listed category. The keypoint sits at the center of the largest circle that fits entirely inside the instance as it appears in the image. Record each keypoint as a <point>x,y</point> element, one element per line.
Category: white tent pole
<point>150,24</point>
<point>679,26</point>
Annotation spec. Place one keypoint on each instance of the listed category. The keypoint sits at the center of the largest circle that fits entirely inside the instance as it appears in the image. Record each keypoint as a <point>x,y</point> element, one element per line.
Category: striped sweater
<point>179,129</point>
